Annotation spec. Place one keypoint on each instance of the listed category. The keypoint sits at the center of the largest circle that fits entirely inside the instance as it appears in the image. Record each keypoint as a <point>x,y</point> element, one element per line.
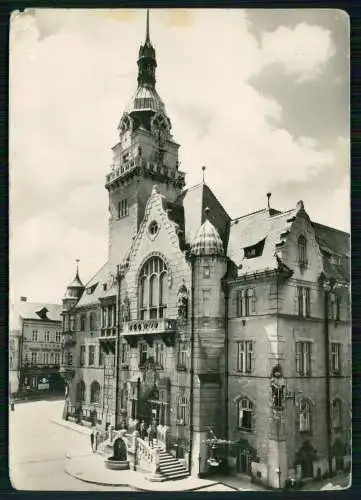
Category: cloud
<point>302,51</point>
<point>71,74</point>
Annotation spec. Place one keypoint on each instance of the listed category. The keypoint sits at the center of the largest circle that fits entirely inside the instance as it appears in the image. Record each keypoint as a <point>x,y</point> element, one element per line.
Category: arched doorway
<point>245,456</point>
<point>305,457</point>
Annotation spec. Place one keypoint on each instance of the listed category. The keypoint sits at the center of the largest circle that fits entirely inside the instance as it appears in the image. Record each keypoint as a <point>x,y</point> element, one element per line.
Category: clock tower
<point>145,154</point>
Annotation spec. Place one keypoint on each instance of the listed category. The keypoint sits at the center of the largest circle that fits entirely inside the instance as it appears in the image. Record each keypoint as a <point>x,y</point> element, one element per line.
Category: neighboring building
<point>239,325</point>
<point>35,348</point>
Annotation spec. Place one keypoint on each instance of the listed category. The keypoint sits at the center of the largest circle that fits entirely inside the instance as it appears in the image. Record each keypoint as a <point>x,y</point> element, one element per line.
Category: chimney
<point>23,299</point>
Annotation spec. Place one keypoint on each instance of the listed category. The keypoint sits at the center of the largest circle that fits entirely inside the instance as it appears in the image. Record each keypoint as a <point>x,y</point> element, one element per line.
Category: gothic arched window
<point>153,289</point>
<point>80,391</point>
<point>245,414</point>
<point>95,392</point>
<point>305,416</point>
<point>302,252</point>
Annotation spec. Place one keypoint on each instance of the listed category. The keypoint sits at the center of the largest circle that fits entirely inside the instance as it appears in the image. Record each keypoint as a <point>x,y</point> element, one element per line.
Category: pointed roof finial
<point>206,211</point>
<point>203,172</point>
<point>77,266</point>
<point>147,38</point>
<point>268,200</point>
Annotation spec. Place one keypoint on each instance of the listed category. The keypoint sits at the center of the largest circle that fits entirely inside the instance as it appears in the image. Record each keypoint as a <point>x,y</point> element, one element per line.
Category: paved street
<point>38,448</point>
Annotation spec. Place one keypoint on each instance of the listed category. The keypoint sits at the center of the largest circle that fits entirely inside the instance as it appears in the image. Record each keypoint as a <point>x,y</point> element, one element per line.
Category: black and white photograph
<point>180,299</point>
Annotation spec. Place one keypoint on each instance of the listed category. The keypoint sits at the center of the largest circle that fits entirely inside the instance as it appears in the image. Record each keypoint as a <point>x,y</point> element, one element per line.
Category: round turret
<point>74,290</point>
<point>207,241</point>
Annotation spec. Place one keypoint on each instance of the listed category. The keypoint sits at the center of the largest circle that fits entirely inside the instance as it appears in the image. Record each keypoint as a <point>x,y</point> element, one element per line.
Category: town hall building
<point>210,325</point>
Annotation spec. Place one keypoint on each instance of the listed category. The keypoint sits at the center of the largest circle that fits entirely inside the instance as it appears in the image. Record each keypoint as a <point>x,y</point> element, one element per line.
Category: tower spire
<point>147,38</point>
<point>147,62</point>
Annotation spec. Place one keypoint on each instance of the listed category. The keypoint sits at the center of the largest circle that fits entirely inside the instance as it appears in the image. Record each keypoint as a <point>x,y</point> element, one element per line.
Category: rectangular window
<point>82,322</point>
<point>35,336</point>
<point>336,358</point>
<point>58,337</point>
<point>34,358</point>
<point>91,359</point>
<point>143,351</point>
<point>57,358</point>
<point>334,307</point>
<point>100,357</point>
<point>183,354</point>
<point>159,354</point>
<point>304,301</point>
<point>245,356</point>
<point>122,208</point>
<point>47,337</point>
<point>82,355</point>
<point>246,303</point>
<point>303,358</point>
<point>46,358</point>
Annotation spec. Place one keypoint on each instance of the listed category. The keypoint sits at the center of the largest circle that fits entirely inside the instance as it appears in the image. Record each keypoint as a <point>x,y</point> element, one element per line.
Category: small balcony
<point>148,329</point>
<point>69,339</point>
<point>107,339</point>
<point>67,371</point>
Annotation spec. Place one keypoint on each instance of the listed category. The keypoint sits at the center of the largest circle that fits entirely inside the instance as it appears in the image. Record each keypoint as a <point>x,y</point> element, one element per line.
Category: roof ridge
<point>95,274</point>
<point>251,213</point>
<point>330,227</point>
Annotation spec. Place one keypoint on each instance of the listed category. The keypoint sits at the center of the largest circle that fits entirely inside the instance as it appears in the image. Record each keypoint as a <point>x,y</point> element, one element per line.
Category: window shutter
<point>309,367</point>
<point>253,356</point>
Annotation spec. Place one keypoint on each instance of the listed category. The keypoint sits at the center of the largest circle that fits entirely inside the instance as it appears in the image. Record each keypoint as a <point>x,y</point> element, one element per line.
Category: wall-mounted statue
<point>126,309</point>
<point>182,301</point>
<point>278,388</point>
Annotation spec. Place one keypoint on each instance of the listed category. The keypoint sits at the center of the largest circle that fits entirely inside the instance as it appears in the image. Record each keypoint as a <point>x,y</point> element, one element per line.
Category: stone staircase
<point>171,468</point>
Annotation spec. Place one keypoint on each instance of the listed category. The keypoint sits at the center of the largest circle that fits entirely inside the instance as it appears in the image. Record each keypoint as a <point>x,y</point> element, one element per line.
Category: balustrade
<point>145,326</point>
<point>156,168</point>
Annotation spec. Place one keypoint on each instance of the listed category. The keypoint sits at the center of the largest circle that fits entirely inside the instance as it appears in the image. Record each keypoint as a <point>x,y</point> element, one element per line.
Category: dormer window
<point>254,250</point>
<point>302,252</point>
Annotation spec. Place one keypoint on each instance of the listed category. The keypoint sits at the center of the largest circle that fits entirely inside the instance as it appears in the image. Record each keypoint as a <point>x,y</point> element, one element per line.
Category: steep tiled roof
<point>30,310</point>
<point>94,288</point>
<point>252,229</point>
<point>195,200</point>
<point>334,243</point>
<point>332,240</point>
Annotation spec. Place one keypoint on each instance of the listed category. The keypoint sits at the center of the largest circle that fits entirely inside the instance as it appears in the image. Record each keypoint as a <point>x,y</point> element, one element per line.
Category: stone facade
<point>206,324</point>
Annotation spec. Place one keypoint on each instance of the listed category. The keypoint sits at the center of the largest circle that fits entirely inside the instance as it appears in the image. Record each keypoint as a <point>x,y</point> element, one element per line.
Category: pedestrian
<point>142,430</point>
<point>12,405</point>
<point>97,439</point>
<point>92,437</point>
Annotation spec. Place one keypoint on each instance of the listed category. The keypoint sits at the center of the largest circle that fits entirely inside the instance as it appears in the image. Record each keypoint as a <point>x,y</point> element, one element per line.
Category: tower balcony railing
<point>155,168</point>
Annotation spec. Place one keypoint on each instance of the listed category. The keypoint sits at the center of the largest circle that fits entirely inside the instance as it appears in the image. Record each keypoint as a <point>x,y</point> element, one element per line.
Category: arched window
<point>80,391</point>
<point>302,252</point>
<point>95,392</point>
<point>336,413</point>
<point>305,416</point>
<point>245,414</point>
<point>153,289</point>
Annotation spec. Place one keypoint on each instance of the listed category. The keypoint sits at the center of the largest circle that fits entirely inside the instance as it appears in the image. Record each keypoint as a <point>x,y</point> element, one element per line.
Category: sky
<point>259,97</point>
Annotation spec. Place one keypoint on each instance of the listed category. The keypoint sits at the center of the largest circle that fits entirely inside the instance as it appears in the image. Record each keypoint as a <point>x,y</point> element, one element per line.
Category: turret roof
<point>207,241</point>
